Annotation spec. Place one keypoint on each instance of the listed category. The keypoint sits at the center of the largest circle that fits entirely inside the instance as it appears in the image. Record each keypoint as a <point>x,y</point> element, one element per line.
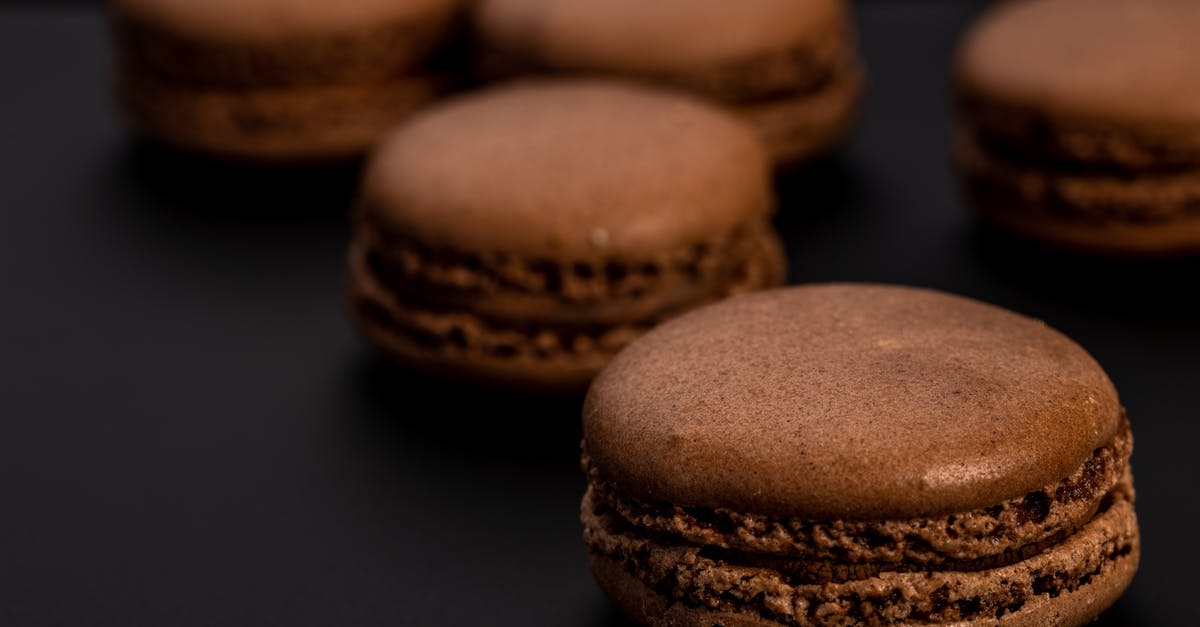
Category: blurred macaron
<point>788,66</point>
<point>277,80</point>
<point>519,236</point>
<point>1079,123</point>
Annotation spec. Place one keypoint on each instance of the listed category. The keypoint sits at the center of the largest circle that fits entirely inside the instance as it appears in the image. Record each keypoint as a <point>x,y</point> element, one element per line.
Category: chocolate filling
<point>398,261</point>
<point>693,576</point>
<point>447,330</point>
<point>1083,194</point>
<point>1083,147</point>
<point>833,550</point>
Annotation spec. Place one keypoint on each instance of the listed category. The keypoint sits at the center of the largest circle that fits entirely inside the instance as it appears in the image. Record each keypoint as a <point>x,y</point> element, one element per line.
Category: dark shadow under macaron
<point>1080,123</point>
<point>520,236</point>
<point>277,80</point>
<point>851,454</point>
<point>789,66</point>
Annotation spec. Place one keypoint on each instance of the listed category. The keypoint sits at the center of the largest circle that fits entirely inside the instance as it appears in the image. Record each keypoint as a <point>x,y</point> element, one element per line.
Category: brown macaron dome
<point>1080,122</point>
<point>789,66</point>
<point>277,80</point>
<point>855,454</point>
<point>521,235</point>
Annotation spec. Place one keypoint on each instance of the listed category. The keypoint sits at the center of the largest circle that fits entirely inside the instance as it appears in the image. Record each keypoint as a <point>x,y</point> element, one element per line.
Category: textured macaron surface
<point>847,402</point>
<point>636,36</point>
<point>576,171</point>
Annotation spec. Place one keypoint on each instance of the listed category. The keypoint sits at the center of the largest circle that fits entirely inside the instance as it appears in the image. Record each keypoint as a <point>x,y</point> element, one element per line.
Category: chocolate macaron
<point>850,454</point>
<point>789,66</point>
<point>520,236</point>
<point>1080,122</point>
<point>276,80</point>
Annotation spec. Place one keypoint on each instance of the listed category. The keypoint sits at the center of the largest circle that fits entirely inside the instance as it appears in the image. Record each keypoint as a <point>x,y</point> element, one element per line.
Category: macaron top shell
<point>638,36</point>
<point>847,402</point>
<point>574,170</point>
<point>250,21</point>
<point>1121,60</point>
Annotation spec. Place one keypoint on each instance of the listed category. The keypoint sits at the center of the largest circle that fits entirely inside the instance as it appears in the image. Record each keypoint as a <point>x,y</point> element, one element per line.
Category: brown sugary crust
<point>847,402</point>
<point>658,582</point>
<point>531,352</point>
<point>835,550</point>
<point>378,53</point>
<point>297,123</point>
<point>569,171</point>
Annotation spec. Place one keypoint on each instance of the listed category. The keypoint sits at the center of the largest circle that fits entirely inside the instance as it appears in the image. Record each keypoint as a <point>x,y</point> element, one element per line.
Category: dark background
<point>190,433</point>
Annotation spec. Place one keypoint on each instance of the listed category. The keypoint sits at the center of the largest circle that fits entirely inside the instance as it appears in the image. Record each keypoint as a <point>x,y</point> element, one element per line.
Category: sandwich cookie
<point>1080,123</point>
<point>521,235</point>
<point>277,80</point>
<point>852,454</point>
<point>788,66</point>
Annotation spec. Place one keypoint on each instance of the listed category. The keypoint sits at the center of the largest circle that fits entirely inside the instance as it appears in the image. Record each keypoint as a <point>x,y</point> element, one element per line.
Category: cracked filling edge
<point>686,574</point>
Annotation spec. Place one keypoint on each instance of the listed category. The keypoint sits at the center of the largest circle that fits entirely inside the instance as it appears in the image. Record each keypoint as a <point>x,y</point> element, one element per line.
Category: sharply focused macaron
<point>1080,122</point>
<point>849,454</point>
<point>789,66</point>
<point>520,236</point>
<point>276,80</point>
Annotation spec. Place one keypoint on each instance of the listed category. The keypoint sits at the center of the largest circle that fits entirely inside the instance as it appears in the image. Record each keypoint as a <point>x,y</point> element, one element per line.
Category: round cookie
<point>1080,126</point>
<point>277,80</point>
<point>521,235</point>
<point>834,454</point>
<point>789,64</point>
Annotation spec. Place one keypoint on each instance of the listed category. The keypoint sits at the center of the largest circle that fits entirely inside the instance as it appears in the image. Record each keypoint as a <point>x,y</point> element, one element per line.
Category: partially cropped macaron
<point>855,454</point>
<point>1080,123</point>
<point>277,80</point>
<point>520,236</point>
<point>788,66</point>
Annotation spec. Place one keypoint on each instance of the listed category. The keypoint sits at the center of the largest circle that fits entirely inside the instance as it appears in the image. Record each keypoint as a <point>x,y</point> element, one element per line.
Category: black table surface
<point>191,433</point>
